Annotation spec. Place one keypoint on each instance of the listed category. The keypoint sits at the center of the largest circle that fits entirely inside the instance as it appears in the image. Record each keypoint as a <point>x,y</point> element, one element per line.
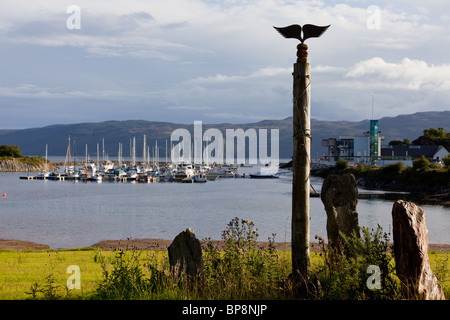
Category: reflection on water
<point>69,214</point>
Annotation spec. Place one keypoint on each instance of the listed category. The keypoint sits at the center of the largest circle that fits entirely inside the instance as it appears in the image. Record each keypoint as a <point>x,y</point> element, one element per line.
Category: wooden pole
<point>301,167</point>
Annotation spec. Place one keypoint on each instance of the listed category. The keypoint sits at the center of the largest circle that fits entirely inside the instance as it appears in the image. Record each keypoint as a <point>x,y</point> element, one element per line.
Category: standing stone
<point>411,252</point>
<point>185,254</point>
<point>340,196</point>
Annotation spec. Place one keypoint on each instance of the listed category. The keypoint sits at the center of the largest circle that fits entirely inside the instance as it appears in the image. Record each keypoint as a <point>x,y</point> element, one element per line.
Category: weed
<point>48,287</point>
<point>244,271</point>
<point>343,274</point>
<point>126,280</point>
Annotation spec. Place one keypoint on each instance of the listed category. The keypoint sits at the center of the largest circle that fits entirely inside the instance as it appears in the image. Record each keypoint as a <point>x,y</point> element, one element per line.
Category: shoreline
<point>418,192</point>
<point>162,245</point>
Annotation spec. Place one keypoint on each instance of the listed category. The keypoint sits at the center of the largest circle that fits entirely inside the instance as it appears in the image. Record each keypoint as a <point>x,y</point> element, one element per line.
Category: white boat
<point>199,179</point>
<point>54,176</point>
<point>132,173</point>
<point>45,174</point>
<point>184,171</point>
<point>91,174</point>
<point>222,172</point>
<point>106,167</point>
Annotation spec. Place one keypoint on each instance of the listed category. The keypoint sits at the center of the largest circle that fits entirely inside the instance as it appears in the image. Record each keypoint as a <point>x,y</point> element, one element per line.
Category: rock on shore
<point>15,165</point>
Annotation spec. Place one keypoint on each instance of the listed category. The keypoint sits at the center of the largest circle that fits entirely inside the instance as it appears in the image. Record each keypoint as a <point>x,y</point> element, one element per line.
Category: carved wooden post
<point>302,150</point>
<point>301,166</point>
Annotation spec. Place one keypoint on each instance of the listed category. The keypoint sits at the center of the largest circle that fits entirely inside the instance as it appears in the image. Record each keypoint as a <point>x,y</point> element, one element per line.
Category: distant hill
<point>32,141</point>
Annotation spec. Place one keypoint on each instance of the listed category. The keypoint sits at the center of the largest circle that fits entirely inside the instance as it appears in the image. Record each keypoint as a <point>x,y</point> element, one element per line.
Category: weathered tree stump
<point>340,196</point>
<point>185,255</point>
<point>411,252</point>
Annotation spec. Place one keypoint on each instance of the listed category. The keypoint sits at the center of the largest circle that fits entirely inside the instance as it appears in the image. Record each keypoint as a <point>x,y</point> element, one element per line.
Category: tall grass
<point>241,270</point>
<point>244,271</point>
<point>343,273</point>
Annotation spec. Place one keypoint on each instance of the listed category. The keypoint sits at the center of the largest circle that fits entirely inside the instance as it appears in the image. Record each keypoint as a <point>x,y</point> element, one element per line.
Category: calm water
<point>66,214</point>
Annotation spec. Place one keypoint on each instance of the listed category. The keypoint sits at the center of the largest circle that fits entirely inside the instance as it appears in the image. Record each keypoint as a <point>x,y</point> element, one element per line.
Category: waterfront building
<point>365,148</point>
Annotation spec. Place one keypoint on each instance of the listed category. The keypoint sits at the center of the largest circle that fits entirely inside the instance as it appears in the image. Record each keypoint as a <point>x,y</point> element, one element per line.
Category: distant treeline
<point>430,137</point>
<point>424,177</point>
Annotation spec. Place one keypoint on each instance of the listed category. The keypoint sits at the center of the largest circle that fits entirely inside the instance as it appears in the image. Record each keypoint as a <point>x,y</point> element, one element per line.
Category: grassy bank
<point>240,271</point>
<point>21,271</point>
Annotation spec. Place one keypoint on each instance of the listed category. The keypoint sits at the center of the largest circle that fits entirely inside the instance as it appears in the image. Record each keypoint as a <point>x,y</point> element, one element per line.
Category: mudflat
<point>162,245</point>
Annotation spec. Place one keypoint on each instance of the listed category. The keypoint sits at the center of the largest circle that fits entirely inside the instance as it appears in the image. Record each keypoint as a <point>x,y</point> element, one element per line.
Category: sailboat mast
<point>144,149</point>
<point>46,168</point>
<point>97,155</point>
<point>67,160</point>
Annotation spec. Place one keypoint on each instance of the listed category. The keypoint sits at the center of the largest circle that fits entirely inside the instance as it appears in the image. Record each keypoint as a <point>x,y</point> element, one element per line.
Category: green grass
<point>241,271</point>
<point>20,270</point>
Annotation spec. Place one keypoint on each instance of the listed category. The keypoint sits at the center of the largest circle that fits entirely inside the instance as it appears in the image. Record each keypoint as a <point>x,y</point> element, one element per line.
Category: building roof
<point>410,151</point>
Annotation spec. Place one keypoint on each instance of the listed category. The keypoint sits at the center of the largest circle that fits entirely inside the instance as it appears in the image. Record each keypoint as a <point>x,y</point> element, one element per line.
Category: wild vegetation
<point>241,271</point>
<point>434,137</point>
<point>8,152</point>
<point>422,173</point>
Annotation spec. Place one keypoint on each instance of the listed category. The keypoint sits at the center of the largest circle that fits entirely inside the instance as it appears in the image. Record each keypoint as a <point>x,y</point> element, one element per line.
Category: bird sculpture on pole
<point>301,159</point>
<point>295,31</point>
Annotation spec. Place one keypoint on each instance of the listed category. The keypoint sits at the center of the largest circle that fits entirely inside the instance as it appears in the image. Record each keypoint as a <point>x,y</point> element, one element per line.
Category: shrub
<point>393,169</point>
<point>243,271</point>
<point>446,161</point>
<point>343,274</point>
<point>10,151</point>
<point>341,164</point>
<point>125,281</point>
<point>361,168</point>
<point>421,163</point>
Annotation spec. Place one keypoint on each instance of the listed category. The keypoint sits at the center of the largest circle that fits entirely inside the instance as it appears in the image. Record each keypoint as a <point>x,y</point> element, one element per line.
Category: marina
<point>77,214</point>
<point>168,172</point>
<point>143,171</point>
<point>110,172</point>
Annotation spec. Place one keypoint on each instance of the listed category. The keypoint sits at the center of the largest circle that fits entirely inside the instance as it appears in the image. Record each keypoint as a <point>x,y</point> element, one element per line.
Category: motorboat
<point>184,171</point>
<point>263,176</point>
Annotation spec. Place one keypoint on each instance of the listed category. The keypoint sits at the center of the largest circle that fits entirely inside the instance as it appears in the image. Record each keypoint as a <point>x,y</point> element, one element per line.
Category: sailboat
<point>45,174</point>
<point>90,170</point>
<point>69,169</point>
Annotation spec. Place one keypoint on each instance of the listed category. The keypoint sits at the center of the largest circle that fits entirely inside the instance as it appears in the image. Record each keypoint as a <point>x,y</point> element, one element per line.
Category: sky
<point>217,61</point>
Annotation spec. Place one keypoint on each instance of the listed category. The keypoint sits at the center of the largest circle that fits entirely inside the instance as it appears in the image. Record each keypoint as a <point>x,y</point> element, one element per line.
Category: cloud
<point>30,91</point>
<point>256,75</point>
<point>223,59</point>
<point>232,116</point>
<point>25,91</point>
<point>408,74</point>
<point>189,108</point>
